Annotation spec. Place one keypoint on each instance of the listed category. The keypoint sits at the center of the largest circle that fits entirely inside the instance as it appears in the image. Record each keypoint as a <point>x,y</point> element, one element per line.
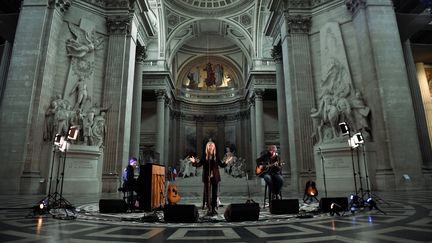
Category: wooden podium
<point>154,186</point>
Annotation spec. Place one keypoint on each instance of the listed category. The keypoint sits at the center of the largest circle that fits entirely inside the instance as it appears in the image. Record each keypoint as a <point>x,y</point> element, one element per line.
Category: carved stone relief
<point>338,101</point>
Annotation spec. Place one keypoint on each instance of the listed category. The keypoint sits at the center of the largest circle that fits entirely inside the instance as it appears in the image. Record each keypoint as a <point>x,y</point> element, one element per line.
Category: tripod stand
<point>357,200</point>
<point>56,200</point>
<point>372,198</point>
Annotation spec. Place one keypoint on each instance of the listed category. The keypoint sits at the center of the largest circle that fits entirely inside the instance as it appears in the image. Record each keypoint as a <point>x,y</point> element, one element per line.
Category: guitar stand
<point>309,198</point>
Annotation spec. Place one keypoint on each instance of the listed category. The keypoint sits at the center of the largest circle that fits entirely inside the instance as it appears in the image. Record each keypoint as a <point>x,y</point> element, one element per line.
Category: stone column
<point>259,113</point>
<point>167,133</point>
<point>221,135</point>
<point>422,105</point>
<point>160,113</point>
<point>423,109</point>
<point>119,82</point>
<point>282,111</point>
<point>254,152</point>
<point>27,93</point>
<point>136,102</point>
<point>387,87</point>
<point>299,93</point>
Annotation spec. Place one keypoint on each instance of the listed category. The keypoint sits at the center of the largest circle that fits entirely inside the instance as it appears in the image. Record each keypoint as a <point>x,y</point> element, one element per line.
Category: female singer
<point>211,176</point>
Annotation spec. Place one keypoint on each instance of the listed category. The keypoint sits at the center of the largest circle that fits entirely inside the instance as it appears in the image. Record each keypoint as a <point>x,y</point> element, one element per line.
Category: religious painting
<point>209,76</point>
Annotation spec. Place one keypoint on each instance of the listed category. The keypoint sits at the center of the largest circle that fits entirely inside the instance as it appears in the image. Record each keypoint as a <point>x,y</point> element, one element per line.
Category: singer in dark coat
<point>211,164</point>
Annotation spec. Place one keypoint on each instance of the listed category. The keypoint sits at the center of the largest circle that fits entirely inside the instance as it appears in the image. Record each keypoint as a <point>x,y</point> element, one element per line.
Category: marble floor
<point>407,218</point>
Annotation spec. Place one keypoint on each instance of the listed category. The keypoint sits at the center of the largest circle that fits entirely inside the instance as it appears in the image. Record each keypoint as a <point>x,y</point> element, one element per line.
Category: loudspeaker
<point>325,202</point>
<point>242,212</point>
<point>185,213</point>
<point>284,206</point>
<point>112,206</point>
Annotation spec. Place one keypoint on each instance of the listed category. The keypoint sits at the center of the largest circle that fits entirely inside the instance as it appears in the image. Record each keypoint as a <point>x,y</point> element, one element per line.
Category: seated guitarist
<point>271,167</point>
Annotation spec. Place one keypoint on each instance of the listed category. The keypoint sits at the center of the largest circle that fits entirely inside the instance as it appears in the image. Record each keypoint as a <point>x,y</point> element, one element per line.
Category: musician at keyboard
<point>269,167</point>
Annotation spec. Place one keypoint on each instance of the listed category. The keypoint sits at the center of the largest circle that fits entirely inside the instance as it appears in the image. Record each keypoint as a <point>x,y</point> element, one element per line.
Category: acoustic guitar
<point>173,195</point>
<point>310,191</point>
<point>275,166</point>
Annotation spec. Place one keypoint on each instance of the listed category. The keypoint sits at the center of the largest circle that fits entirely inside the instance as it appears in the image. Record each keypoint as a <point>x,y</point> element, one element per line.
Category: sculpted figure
<point>80,88</point>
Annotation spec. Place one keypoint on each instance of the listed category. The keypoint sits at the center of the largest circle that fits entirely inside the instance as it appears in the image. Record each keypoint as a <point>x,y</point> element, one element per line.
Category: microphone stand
<point>323,169</point>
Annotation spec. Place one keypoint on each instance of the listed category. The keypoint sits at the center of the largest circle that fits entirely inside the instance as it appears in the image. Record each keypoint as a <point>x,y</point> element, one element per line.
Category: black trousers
<point>214,190</point>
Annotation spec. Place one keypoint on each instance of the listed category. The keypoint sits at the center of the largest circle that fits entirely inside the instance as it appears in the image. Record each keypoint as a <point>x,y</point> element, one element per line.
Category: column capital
<point>118,25</point>
<point>259,93</point>
<point>141,53</point>
<point>354,5</point>
<point>160,94</point>
<point>62,5</point>
<point>298,23</point>
<point>276,53</point>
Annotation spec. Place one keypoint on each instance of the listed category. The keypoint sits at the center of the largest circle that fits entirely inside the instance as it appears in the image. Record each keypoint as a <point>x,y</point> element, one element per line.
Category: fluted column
<point>424,109</point>
<point>299,93</point>
<point>136,102</point>
<point>259,113</point>
<point>254,153</point>
<point>282,112</point>
<point>422,104</point>
<point>167,133</point>
<point>160,114</point>
<point>119,82</point>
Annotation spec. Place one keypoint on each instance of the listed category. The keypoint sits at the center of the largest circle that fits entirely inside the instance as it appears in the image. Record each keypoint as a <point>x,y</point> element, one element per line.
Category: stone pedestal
<point>336,160</point>
<point>83,170</point>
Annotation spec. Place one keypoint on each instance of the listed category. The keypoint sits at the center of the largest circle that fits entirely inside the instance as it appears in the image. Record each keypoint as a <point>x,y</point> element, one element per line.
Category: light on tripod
<point>73,133</point>
<point>371,203</point>
<point>58,139</point>
<point>335,209</point>
<point>356,140</point>
<point>344,128</point>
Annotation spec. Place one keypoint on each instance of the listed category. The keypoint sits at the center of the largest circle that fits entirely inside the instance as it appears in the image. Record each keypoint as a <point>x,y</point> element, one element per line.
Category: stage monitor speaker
<point>284,206</point>
<point>237,212</point>
<point>183,213</point>
<point>112,206</point>
<point>325,202</point>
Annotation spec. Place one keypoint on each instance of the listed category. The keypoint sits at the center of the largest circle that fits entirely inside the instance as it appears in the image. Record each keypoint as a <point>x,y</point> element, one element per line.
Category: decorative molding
<point>141,53</point>
<point>62,5</point>
<point>315,3</point>
<point>298,23</point>
<point>119,3</point>
<point>354,5</point>
<point>297,4</point>
<point>259,93</point>
<point>118,25</point>
<point>160,94</point>
<point>276,53</point>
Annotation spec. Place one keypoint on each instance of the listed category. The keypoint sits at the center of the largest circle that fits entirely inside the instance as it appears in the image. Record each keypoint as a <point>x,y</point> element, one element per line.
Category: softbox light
<point>344,128</point>
<point>73,133</point>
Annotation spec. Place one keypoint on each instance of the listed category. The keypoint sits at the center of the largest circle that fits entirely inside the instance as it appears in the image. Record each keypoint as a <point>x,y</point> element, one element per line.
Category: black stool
<point>269,195</point>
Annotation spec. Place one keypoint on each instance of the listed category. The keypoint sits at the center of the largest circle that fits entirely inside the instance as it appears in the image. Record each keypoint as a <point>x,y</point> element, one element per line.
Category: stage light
<point>358,138</point>
<point>58,139</point>
<point>344,128</point>
<point>73,133</point>
<point>335,209</point>
<point>371,203</point>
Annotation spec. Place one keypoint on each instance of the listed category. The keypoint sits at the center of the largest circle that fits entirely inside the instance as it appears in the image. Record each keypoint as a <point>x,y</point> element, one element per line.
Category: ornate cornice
<point>276,53</point>
<point>298,23</point>
<point>62,5</point>
<point>354,5</point>
<point>141,53</point>
<point>297,4</point>
<point>118,25</point>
